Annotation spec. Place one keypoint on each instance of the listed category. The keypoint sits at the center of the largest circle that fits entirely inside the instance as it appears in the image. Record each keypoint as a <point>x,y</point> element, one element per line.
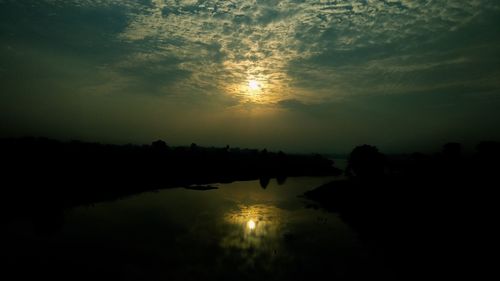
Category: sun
<point>253,85</point>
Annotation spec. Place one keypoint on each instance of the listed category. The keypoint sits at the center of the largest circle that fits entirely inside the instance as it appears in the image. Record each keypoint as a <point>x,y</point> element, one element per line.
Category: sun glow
<point>254,85</point>
<point>259,83</point>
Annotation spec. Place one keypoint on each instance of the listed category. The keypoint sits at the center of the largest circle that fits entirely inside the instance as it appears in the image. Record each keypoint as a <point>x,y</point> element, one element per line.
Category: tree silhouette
<point>366,162</point>
<point>159,145</point>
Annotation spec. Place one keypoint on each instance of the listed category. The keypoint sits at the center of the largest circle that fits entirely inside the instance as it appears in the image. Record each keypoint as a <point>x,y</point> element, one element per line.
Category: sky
<point>291,75</point>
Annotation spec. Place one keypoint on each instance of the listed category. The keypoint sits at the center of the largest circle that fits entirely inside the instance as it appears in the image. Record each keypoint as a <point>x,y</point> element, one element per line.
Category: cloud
<point>261,39</point>
<point>291,103</point>
<point>330,60</point>
<point>220,45</point>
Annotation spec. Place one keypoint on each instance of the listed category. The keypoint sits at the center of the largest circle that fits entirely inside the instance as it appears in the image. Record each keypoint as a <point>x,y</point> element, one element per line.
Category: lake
<point>239,231</point>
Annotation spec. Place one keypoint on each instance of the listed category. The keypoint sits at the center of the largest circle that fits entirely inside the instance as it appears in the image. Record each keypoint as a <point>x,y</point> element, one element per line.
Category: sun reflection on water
<point>256,227</point>
<point>251,225</point>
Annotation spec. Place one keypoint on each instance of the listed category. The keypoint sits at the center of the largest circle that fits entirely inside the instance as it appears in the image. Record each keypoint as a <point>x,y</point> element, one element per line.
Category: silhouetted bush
<point>159,145</point>
<point>366,162</point>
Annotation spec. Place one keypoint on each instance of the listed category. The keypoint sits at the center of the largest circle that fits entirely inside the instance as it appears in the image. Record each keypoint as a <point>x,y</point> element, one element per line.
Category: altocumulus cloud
<point>213,46</point>
<point>336,43</point>
<point>306,55</point>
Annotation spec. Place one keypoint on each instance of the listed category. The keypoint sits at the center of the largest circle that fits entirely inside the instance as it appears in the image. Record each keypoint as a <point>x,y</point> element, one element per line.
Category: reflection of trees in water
<point>264,182</point>
<point>281,180</point>
<point>254,234</point>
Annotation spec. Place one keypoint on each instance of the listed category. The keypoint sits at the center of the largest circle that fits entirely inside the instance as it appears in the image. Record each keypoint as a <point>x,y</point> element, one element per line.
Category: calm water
<point>237,232</point>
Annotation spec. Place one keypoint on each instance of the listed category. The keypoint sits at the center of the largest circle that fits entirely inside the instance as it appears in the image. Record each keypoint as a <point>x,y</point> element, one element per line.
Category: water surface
<point>239,231</point>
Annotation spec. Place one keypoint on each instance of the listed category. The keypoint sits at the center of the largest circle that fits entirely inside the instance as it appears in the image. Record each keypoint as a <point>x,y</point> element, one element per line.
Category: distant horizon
<point>467,149</point>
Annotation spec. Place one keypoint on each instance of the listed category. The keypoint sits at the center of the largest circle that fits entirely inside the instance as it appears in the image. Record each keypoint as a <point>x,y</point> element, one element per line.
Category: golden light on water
<point>251,225</point>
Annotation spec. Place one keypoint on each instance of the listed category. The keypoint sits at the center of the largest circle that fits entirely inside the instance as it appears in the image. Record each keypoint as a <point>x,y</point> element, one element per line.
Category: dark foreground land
<point>430,216</point>
<point>433,216</point>
<point>42,175</point>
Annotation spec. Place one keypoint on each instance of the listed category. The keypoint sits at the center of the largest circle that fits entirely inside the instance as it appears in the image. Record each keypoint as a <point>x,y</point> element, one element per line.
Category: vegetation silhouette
<point>44,176</point>
<point>365,162</point>
<point>426,213</point>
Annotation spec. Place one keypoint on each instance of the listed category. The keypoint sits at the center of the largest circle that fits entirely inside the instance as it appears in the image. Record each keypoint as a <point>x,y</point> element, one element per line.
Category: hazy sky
<point>295,75</point>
